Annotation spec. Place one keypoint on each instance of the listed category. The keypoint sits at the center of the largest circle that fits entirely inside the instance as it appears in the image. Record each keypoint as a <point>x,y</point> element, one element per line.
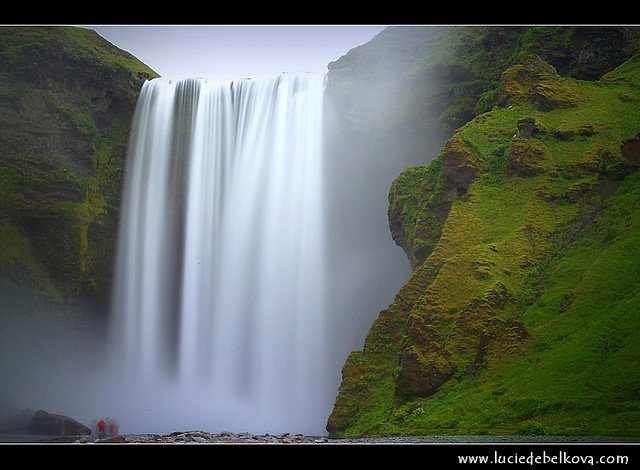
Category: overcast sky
<point>231,52</point>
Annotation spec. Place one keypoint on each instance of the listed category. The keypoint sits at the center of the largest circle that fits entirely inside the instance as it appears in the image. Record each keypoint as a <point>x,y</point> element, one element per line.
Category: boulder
<point>526,158</point>
<point>43,423</point>
<point>535,81</point>
<point>425,363</point>
<point>529,127</point>
<point>458,165</point>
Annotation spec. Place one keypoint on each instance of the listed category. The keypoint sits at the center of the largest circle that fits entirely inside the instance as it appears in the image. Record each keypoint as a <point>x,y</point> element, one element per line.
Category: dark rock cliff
<point>67,98</point>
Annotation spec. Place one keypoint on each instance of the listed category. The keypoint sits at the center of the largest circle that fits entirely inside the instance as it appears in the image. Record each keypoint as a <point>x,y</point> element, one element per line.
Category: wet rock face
<point>43,423</point>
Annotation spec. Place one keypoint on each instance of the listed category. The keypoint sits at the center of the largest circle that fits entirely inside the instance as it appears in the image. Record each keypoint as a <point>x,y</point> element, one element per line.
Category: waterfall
<point>218,316</point>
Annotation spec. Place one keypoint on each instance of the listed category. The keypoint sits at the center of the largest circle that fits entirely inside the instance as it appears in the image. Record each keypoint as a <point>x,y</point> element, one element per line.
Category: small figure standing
<point>113,427</point>
<point>101,428</point>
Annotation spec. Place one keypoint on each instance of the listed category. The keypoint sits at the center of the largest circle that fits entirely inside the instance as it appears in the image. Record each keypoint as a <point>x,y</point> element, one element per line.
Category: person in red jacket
<point>101,428</point>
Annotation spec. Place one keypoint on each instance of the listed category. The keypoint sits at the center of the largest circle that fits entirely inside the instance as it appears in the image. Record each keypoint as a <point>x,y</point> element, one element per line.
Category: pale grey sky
<point>232,52</point>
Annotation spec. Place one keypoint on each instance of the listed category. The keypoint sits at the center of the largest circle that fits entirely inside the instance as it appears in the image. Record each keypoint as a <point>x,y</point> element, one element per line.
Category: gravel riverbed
<point>200,437</point>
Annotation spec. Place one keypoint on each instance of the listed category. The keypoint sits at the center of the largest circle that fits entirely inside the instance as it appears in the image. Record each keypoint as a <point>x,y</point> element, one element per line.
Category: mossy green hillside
<point>448,75</point>
<point>67,98</point>
<point>89,45</point>
<point>528,298</point>
<point>23,49</point>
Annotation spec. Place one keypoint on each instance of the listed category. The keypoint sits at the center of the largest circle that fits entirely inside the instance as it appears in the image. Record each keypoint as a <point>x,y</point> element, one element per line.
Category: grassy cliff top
<point>22,46</point>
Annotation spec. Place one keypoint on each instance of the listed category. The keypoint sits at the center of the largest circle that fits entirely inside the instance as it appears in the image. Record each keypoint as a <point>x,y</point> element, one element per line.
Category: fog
<point>367,268</point>
<point>49,359</point>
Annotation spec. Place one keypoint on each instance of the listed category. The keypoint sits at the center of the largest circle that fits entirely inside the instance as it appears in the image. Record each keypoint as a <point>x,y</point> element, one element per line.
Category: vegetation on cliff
<point>381,84</point>
<point>67,98</point>
<point>523,234</point>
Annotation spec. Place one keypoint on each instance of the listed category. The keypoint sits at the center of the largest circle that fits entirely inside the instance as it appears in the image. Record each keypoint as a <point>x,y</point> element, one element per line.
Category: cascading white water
<point>218,314</point>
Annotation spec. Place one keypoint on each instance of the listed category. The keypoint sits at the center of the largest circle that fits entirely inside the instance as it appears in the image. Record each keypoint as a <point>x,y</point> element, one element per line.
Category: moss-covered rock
<point>419,202</point>
<point>425,363</point>
<point>67,98</point>
<point>517,314</point>
<point>459,165</point>
<point>527,157</point>
<point>537,82</point>
<point>500,340</point>
<point>528,127</point>
<point>565,132</point>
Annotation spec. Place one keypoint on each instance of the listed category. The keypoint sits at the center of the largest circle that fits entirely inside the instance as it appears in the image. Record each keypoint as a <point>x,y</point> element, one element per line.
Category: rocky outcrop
<point>420,199</point>
<point>425,362</point>
<point>537,82</point>
<point>500,340</point>
<point>528,127</point>
<point>67,98</point>
<point>458,165</point>
<point>569,133</point>
<point>419,202</point>
<point>43,423</point>
<point>527,157</point>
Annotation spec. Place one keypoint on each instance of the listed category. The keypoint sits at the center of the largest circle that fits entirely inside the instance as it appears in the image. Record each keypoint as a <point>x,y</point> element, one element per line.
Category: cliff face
<point>399,97</point>
<point>520,314</point>
<point>67,98</point>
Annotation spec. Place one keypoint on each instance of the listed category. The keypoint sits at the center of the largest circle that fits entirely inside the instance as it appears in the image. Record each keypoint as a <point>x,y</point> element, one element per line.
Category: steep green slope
<point>520,314</point>
<point>391,104</point>
<point>66,102</point>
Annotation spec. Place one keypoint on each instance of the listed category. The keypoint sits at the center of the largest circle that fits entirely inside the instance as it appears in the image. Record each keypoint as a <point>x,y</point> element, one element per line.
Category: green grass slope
<point>521,314</point>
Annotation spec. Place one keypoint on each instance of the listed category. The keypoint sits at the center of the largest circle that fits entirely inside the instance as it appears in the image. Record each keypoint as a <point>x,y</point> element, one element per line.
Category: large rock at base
<point>43,423</point>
